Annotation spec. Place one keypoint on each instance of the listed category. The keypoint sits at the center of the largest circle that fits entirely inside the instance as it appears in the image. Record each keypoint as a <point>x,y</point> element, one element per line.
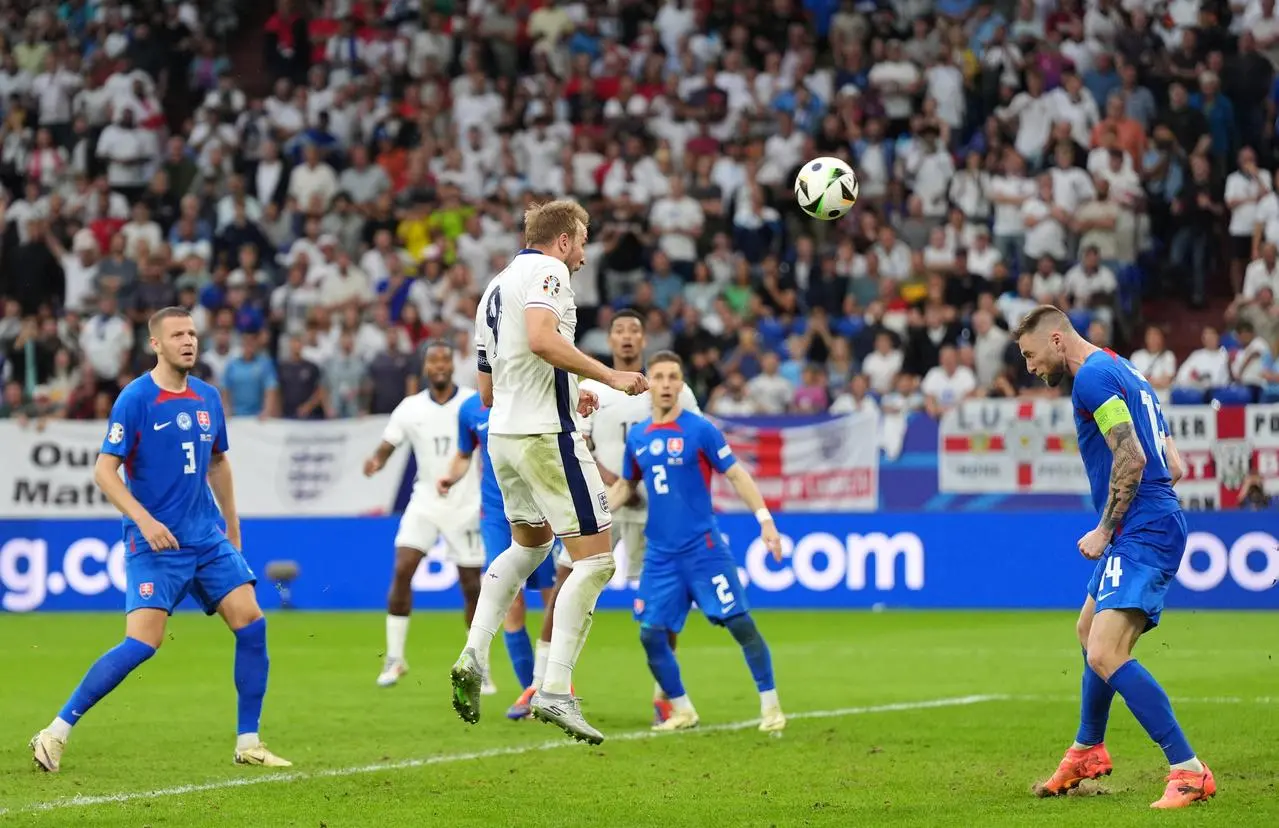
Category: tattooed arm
<point>1125,473</point>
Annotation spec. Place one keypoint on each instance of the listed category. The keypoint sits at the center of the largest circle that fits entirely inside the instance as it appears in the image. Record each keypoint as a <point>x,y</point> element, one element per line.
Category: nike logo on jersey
<point>729,605</point>
<point>1106,595</point>
<point>482,427</point>
<point>641,451</point>
<point>159,426</point>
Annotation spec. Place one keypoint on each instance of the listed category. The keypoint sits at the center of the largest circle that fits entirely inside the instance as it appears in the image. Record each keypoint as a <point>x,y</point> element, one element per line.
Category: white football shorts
<point>462,545</point>
<point>550,478</point>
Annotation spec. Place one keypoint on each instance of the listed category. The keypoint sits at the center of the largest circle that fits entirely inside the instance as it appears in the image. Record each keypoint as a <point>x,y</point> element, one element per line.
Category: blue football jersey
<point>166,441</point>
<point>1105,381</point>
<point>675,461</point>
<point>472,432</point>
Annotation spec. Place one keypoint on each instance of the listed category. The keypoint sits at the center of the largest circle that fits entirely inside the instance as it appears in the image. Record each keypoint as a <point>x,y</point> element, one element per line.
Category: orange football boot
<point>662,710</point>
<point>1185,787</point>
<point>1075,767</point>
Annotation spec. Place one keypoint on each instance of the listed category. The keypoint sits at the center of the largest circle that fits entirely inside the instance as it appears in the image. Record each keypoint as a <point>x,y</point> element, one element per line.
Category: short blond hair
<point>1044,316</point>
<point>544,223</point>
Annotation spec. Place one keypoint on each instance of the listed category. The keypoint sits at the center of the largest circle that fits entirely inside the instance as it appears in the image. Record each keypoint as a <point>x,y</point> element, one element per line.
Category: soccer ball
<point>826,188</point>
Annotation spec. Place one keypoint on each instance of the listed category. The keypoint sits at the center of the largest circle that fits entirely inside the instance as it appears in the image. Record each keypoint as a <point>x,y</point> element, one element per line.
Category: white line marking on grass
<point>1173,699</point>
<point>449,758</point>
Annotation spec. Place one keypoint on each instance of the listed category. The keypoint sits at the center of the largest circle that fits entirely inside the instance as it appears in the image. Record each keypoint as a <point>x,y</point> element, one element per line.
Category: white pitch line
<point>1173,699</point>
<point>449,758</point>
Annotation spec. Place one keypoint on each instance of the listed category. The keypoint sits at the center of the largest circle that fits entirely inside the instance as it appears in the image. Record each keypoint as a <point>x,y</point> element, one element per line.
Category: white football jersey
<point>530,396</point>
<point>608,426</point>
<point>431,429</point>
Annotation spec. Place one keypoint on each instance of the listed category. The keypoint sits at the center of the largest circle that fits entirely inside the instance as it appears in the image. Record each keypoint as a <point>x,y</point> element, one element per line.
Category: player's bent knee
<point>654,639</point>
<point>147,626</point>
<point>240,607</point>
<point>743,628</point>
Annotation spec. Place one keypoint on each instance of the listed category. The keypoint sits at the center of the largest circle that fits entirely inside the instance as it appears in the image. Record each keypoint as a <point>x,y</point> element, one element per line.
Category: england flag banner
<point>831,465</point>
<point>280,467</point>
<point>1221,448</point>
<point>1006,446</point>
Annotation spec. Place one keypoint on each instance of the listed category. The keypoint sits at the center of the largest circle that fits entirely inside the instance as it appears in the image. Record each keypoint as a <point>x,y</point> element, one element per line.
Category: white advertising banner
<point>1019,446</point>
<point>1010,446</point>
<point>281,468</point>
<point>830,466</point>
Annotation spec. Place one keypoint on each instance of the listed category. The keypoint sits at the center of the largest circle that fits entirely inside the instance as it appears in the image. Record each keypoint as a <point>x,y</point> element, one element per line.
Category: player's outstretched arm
<point>378,459</point>
<point>748,491</point>
<point>224,492</point>
<point>106,473</point>
<point>545,341</point>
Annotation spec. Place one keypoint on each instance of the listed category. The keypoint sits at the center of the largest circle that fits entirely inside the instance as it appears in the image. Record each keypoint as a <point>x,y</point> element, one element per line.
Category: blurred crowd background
<point>328,186</point>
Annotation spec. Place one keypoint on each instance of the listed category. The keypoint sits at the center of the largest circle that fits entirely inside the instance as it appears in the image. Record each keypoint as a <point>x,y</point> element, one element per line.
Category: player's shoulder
<point>206,391</point>
<point>1101,367</point>
<point>465,395</point>
<point>141,388</point>
<point>471,404</point>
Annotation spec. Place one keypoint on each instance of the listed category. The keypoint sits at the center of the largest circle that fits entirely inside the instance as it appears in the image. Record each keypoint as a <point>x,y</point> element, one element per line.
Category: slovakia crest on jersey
<point>146,590</point>
<point>674,446</point>
<point>202,417</point>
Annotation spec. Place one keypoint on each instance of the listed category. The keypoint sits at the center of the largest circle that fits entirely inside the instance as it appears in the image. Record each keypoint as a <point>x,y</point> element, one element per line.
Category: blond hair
<point>544,223</point>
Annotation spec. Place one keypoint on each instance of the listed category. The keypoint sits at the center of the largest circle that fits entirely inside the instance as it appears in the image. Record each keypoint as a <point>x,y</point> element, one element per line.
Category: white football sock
<point>397,632</point>
<point>768,699</point>
<point>573,611</point>
<point>503,581</point>
<point>658,692</point>
<point>1191,764</point>
<point>683,704</point>
<point>542,652</point>
<point>1079,746</point>
<point>60,728</point>
<point>246,740</point>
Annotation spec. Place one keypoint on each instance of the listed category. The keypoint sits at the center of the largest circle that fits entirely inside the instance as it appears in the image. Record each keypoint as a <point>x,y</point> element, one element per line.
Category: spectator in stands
<point>1206,367</point>
<point>731,399</point>
<point>1156,362</point>
<point>947,384</point>
<point>1248,365</point>
<point>250,386</point>
<point>301,386</point>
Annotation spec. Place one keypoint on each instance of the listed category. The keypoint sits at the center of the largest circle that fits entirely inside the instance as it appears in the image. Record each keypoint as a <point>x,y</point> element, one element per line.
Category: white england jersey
<point>530,396</point>
<point>431,429</point>
<point>608,426</point>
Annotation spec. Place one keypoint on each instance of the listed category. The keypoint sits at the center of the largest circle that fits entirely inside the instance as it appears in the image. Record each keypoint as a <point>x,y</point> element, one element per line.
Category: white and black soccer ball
<point>826,188</point>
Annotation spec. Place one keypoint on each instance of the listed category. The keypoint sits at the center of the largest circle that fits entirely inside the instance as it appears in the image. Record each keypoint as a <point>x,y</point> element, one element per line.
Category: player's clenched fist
<point>587,403</point>
<point>629,382</point>
<point>372,466</point>
<point>157,534</point>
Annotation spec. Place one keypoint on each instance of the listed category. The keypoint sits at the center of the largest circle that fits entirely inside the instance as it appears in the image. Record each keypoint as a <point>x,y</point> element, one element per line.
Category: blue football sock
<point>520,649</point>
<point>758,658</point>
<point>103,677</point>
<point>1149,704</point>
<point>662,662</point>
<point>1094,707</point>
<point>251,668</point>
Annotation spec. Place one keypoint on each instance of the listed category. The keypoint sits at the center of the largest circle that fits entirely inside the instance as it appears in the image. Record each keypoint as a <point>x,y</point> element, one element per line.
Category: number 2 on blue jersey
<point>493,316</point>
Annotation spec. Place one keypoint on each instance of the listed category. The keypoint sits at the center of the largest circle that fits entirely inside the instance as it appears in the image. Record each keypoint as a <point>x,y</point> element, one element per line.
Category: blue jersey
<point>473,431</point>
<point>1109,387</point>
<point>675,461</point>
<point>166,441</point>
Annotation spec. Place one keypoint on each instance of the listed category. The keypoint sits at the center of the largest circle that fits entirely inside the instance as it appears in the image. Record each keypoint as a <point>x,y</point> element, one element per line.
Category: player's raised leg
<point>578,508</point>
<point>1087,758</point>
<point>143,633</point>
<point>543,647</point>
<point>505,577</point>
<point>399,608</point>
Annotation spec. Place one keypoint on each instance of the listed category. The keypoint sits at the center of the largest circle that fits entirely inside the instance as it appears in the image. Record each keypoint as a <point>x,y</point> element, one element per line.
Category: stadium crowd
<point>1081,154</point>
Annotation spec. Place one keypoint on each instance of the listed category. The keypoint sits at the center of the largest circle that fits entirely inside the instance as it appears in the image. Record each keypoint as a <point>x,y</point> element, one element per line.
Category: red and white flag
<point>1009,446</point>
<point>832,465</point>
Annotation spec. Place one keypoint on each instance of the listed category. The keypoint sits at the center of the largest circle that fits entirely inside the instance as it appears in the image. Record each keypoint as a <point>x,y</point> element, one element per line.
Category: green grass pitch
<point>929,719</point>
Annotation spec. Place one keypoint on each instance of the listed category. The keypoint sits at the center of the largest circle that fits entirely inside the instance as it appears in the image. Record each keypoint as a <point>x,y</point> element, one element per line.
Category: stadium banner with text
<point>914,560</point>
<point>1005,446</point>
<point>998,446</point>
<point>818,465</point>
<point>281,467</point>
